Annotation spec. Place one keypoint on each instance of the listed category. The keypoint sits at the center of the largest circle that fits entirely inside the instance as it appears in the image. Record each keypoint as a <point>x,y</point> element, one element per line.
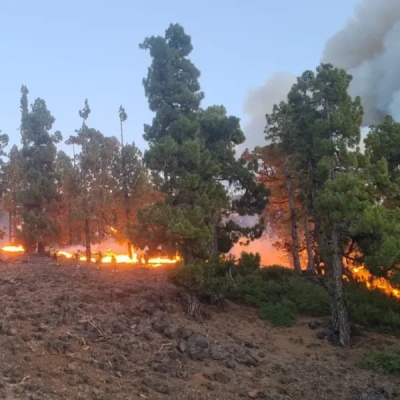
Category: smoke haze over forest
<point>367,47</point>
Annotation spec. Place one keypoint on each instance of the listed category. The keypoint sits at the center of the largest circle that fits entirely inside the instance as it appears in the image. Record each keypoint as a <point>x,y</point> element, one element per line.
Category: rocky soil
<point>68,333</point>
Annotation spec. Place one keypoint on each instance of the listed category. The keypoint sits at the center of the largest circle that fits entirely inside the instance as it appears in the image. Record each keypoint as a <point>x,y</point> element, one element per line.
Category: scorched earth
<point>68,333</point>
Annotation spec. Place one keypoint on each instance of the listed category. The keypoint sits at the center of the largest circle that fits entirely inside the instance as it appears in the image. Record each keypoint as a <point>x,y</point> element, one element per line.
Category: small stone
<point>253,394</point>
<point>183,346</point>
<point>198,347</point>
<point>149,336</point>
<point>186,333</point>
<point>314,324</point>
<point>12,332</point>
<point>261,354</point>
<point>231,364</point>
<point>219,353</point>
<point>321,335</point>
<point>145,347</point>
<point>170,332</point>
<point>220,377</point>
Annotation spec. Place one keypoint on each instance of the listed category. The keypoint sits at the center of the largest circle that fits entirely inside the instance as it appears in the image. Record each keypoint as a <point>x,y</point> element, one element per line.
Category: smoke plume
<point>368,47</point>
<point>260,102</point>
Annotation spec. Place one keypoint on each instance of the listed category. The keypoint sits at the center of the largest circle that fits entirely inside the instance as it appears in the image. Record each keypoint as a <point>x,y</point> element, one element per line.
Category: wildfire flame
<point>122,258</point>
<point>361,274</point>
<point>268,253</point>
<point>12,249</point>
<point>109,258</point>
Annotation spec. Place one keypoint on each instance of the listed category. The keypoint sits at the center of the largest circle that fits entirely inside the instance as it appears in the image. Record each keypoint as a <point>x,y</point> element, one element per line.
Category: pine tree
<point>3,174</point>
<point>13,176</point>
<point>324,122</point>
<point>84,114</point>
<point>192,157</point>
<point>38,197</point>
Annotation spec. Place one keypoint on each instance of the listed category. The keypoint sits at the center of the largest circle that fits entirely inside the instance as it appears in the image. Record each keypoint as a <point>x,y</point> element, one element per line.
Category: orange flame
<point>122,258</point>
<point>12,249</point>
<point>361,274</point>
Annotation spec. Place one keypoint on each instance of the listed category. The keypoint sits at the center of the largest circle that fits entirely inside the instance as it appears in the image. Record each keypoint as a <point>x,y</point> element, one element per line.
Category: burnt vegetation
<point>333,208</point>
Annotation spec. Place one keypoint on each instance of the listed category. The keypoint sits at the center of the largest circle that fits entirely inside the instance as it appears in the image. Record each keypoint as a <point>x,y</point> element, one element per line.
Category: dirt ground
<point>68,333</point>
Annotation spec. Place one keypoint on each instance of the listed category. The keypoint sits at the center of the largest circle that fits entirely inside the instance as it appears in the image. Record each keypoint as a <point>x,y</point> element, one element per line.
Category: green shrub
<point>309,298</point>
<point>279,314</point>
<point>385,361</point>
<point>276,273</point>
<point>191,277</point>
<point>372,308</point>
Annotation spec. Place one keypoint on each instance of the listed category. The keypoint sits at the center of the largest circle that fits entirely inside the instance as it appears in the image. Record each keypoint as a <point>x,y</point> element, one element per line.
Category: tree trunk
<point>293,219</point>
<point>214,238</point>
<point>40,248</point>
<point>14,217</point>
<point>10,223</point>
<point>308,237</point>
<point>338,306</point>
<point>85,206</point>
<point>130,251</point>
<point>87,238</point>
<point>193,304</point>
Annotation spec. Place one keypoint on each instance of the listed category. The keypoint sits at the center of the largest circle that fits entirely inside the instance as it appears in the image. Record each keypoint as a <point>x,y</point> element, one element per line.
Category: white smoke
<point>259,102</point>
<point>368,47</point>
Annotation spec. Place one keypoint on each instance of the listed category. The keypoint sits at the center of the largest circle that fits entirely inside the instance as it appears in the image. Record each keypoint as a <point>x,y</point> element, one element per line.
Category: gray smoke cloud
<point>368,47</point>
<point>259,102</point>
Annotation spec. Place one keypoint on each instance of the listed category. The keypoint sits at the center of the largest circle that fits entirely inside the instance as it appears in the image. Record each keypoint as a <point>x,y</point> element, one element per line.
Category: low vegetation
<point>386,361</point>
<point>281,295</point>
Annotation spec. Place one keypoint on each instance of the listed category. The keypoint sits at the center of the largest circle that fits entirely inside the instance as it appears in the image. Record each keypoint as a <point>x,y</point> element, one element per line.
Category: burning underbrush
<point>105,253</point>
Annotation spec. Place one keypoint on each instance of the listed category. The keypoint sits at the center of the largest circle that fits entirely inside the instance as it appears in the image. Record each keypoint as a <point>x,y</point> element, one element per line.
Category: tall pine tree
<point>38,197</point>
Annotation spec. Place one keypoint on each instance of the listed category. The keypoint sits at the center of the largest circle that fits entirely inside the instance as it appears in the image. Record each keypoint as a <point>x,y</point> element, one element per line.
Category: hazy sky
<point>66,51</point>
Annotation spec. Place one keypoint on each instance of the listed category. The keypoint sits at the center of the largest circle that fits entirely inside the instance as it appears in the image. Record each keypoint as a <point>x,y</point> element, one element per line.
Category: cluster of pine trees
<point>331,199</point>
<point>182,193</point>
<point>53,198</point>
<point>328,198</point>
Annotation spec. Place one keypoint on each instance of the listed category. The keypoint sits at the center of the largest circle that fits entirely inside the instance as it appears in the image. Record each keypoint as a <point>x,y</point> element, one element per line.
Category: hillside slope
<point>68,333</point>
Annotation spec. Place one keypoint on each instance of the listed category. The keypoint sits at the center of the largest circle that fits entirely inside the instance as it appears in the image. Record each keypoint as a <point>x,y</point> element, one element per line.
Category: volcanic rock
<point>198,347</point>
<point>314,324</point>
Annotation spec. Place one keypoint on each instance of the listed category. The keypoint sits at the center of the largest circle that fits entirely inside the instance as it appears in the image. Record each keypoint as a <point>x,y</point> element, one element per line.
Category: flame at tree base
<point>12,249</point>
<point>111,258</point>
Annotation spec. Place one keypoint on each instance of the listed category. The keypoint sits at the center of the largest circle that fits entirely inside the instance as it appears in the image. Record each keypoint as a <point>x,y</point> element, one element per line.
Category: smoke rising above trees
<point>367,47</point>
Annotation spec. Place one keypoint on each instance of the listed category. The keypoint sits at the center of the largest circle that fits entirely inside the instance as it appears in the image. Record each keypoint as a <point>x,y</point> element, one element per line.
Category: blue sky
<point>66,51</point>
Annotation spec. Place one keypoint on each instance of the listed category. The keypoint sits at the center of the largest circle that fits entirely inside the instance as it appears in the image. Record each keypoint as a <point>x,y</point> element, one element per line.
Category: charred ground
<point>68,333</point>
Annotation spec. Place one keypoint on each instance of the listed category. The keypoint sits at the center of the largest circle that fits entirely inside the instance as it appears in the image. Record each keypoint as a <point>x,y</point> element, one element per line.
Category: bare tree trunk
<point>122,134</point>
<point>293,219</point>
<point>193,304</point>
<point>130,250</point>
<point>87,241</point>
<point>10,223</point>
<point>14,216</point>
<point>310,255</point>
<point>73,153</point>
<point>85,206</point>
<point>40,248</point>
<point>339,309</point>
<point>214,239</point>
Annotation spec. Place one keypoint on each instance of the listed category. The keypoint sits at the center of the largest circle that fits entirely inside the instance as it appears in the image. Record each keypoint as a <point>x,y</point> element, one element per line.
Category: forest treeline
<point>330,197</point>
